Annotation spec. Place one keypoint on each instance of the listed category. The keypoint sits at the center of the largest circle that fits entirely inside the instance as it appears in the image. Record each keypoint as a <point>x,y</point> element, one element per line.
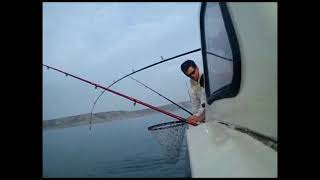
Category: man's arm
<point>202,103</point>
<point>195,102</point>
<point>202,116</point>
<point>199,115</point>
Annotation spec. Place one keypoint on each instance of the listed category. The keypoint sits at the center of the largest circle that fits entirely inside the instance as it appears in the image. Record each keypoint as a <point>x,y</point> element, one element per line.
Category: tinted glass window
<point>216,50</point>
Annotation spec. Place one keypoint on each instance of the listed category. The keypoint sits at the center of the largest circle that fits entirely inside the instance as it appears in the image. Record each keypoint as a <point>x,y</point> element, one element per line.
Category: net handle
<point>158,126</point>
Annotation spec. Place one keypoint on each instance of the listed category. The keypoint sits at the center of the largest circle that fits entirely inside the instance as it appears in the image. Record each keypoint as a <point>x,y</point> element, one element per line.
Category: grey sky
<point>103,41</point>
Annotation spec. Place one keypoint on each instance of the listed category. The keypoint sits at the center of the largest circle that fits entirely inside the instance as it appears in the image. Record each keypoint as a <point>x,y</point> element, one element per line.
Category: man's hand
<point>197,119</point>
<point>194,119</point>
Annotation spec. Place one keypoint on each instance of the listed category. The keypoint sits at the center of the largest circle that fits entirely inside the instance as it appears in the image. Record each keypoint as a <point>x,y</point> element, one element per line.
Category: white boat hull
<point>218,151</point>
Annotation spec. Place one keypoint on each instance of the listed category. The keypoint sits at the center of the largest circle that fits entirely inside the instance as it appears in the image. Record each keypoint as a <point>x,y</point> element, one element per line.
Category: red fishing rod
<point>122,95</point>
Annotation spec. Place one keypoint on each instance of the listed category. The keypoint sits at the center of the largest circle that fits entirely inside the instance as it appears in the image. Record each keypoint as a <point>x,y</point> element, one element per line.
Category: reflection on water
<point>121,148</point>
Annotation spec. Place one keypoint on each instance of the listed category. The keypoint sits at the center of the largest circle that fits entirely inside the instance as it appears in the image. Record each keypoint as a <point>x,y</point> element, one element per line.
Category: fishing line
<point>161,95</point>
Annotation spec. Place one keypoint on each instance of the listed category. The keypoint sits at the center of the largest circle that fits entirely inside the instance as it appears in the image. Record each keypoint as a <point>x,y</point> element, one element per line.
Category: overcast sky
<point>102,42</point>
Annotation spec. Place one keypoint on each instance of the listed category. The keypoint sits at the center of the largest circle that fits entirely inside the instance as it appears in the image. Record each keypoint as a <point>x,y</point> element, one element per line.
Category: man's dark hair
<point>186,65</point>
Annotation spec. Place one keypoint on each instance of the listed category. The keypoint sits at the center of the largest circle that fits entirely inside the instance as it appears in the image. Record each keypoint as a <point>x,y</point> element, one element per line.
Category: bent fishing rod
<point>161,95</point>
<point>124,96</point>
<point>164,60</point>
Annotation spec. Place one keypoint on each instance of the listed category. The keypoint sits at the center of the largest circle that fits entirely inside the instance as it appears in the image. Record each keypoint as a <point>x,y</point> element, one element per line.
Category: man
<point>190,69</point>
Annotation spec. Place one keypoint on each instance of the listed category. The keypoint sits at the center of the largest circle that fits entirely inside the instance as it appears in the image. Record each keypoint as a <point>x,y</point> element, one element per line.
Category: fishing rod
<point>164,60</point>
<point>161,95</point>
<point>124,96</point>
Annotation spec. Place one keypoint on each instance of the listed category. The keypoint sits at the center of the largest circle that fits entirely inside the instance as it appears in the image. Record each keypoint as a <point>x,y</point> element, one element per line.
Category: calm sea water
<point>123,148</point>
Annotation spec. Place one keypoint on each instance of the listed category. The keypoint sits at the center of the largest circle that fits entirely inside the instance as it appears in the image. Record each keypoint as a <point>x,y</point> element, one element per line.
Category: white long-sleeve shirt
<point>198,97</point>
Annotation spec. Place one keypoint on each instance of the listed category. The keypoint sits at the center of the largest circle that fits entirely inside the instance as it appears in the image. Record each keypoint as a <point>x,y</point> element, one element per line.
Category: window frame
<point>232,89</point>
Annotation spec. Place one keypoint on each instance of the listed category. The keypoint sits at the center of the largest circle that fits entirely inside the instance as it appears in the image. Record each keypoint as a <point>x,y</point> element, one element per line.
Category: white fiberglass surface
<point>218,151</point>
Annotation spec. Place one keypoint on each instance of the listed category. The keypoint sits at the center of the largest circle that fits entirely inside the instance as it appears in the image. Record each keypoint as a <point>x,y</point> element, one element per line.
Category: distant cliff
<point>84,119</point>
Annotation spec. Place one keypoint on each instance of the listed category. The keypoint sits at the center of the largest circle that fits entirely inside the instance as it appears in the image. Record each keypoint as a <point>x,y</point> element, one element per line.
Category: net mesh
<point>169,136</point>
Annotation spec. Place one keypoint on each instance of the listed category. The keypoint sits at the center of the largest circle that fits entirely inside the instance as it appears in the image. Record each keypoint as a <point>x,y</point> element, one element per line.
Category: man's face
<point>193,73</point>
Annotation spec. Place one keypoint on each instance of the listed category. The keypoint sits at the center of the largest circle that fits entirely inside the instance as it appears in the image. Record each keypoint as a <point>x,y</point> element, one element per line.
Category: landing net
<point>170,137</point>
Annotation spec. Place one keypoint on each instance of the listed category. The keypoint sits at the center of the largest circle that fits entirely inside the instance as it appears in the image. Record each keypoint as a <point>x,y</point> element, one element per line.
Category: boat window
<point>220,52</point>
